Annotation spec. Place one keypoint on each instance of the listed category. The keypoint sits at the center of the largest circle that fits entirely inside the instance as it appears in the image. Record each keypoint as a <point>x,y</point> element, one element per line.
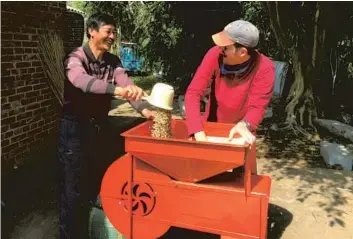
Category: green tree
<point>306,34</point>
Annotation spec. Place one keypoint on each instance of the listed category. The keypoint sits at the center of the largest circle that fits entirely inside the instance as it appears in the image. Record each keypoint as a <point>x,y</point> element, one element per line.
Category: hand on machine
<point>239,129</point>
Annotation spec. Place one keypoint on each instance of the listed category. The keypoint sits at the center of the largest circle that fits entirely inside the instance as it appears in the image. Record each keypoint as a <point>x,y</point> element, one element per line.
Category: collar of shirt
<point>91,57</point>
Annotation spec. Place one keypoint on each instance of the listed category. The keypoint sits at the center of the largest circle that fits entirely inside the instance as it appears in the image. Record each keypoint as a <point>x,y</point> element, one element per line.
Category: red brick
<point>33,125</point>
<point>45,102</point>
<point>5,142</point>
<point>36,63</point>
<point>10,147</point>
<point>15,72</point>
<point>7,92</point>
<point>6,79</point>
<point>29,30</point>
<point>40,85</point>
<point>5,127</point>
<point>32,94</point>
<point>11,58</point>
<point>13,112</point>
<point>24,89</point>
<point>31,100</point>
<point>9,14</point>
<point>23,64</point>
<point>38,111</point>
<point>17,123</point>
<point>46,91</point>
<point>28,50</point>
<point>19,83</point>
<point>5,51</point>
<point>23,71</point>
<point>31,70</point>
<point>30,44</point>
<point>19,50</point>
<point>25,142</point>
<point>7,36</point>
<point>26,78</point>
<point>4,114</point>
<point>5,106</point>
<point>11,43</point>
<point>39,69</point>
<point>38,75</point>
<point>30,57</point>
<point>22,37</point>
<point>34,131</point>
<point>41,135</point>
<point>8,134</point>
<point>6,65</point>
<point>18,131</point>
<point>3,100</point>
<point>16,97</point>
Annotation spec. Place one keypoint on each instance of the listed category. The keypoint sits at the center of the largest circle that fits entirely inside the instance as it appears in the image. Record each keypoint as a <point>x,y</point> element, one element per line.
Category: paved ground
<point>307,202</point>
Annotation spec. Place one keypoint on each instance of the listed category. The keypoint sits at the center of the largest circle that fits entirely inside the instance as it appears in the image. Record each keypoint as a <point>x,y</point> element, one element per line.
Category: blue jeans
<point>80,146</point>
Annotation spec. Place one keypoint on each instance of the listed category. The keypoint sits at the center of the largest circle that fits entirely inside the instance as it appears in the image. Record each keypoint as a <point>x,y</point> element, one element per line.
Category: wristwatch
<point>247,124</point>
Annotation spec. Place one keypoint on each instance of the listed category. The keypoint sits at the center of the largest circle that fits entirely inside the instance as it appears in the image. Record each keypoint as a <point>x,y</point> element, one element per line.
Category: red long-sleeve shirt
<point>234,103</point>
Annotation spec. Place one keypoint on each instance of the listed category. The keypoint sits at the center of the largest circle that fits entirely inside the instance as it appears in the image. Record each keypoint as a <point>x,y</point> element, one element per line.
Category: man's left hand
<point>241,129</point>
<point>148,114</point>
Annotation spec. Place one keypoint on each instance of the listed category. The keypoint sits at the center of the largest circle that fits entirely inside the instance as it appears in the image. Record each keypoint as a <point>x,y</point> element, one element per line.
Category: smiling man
<point>93,77</point>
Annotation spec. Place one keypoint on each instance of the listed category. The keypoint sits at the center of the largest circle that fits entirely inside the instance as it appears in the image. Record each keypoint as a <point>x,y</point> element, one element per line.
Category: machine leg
<point>264,214</point>
<point>252,159</point>
<point>131,178</point>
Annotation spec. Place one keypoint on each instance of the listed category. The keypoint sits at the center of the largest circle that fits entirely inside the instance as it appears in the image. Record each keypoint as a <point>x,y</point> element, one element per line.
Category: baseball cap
<point>240,31</point>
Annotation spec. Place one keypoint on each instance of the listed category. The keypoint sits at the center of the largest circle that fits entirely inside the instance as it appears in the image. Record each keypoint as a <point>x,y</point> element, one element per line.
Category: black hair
<point>250,50</point>
<point>95,21</point>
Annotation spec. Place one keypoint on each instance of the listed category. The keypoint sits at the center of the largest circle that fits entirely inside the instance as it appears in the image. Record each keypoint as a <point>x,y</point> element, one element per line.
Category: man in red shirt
<point>241,80</point>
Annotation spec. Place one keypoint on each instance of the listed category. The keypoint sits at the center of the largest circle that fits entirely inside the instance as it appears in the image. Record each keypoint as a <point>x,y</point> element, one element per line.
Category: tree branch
<point>275,23</point>
<point>317,14</point>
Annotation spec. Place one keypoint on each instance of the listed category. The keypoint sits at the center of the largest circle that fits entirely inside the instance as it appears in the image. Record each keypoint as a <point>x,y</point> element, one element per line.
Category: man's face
<point>104,38</point>
<point>233,55</point>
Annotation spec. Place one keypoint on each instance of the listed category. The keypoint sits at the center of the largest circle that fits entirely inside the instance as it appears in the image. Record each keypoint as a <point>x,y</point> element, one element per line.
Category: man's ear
<point>243,51</point>
<point>91,31</point>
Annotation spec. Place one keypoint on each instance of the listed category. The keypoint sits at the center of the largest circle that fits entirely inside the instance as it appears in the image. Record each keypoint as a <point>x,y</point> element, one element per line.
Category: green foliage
<point>145,24</point>
<point>256,13</point>
<point>146,82</point>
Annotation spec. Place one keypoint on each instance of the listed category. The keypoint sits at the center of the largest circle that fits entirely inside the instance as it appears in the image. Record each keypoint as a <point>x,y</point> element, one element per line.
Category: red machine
<point>161,183</point>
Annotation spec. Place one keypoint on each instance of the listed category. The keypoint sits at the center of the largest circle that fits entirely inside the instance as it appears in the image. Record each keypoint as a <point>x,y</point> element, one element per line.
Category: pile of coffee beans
<point>162,127</point>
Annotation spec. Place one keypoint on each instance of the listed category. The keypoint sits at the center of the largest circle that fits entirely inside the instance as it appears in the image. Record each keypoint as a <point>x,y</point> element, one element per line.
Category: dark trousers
<point>79,151</point>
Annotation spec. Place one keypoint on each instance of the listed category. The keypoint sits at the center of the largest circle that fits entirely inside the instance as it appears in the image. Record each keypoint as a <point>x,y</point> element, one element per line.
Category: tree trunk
<point>301,107</point>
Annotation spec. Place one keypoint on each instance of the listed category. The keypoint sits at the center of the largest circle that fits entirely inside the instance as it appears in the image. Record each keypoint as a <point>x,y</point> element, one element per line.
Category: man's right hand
<point>200,136</point>
<point>131,92</point>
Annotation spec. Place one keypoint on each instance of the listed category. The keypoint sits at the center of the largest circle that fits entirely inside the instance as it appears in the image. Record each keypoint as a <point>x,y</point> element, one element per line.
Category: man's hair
<point>95,21</point>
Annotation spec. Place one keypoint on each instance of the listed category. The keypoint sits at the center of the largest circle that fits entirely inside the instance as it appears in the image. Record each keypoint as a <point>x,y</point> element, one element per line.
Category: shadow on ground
<point>289,156</point>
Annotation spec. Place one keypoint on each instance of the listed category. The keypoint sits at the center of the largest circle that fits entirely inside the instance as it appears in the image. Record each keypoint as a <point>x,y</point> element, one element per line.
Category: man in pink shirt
<point>93,77</point>
<point>241,80</point>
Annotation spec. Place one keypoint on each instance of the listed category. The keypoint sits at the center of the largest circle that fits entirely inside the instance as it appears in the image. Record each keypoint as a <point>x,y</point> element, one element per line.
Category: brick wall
<point>29,111</point>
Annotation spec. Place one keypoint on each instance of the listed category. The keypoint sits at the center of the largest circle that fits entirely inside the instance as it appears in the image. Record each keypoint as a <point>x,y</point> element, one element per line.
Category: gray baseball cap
<point>240,31</point>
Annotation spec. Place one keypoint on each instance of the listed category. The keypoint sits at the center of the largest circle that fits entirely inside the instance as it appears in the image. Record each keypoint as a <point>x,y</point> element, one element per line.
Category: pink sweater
<point>234,103</point>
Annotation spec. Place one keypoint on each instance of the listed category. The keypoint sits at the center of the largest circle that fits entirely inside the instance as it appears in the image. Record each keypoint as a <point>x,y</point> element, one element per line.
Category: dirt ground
<point>308,201</point>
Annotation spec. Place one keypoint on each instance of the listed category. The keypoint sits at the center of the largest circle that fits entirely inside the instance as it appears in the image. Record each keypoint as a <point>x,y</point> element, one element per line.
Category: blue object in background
<point>129,57</point>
